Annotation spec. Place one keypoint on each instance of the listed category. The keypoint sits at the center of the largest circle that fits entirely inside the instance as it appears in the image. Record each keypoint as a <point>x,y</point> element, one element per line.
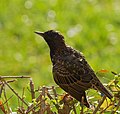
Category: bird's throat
<point>56,47</point>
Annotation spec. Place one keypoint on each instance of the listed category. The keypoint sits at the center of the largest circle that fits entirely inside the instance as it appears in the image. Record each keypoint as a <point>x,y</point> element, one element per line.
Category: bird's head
<point>54,39</point>
<point>51,35</point>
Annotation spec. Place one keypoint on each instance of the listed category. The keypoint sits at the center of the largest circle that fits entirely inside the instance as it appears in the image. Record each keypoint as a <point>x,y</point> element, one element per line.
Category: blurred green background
<point>91,26</point>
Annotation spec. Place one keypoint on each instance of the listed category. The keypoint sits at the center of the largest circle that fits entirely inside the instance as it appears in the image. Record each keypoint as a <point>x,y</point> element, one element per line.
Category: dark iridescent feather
<point>70,69</point>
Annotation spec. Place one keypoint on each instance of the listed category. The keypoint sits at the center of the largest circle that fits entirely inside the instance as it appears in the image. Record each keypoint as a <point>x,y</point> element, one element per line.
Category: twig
<point>48,94</point>
<point>32,89</point>
<point>55,94</point>
<point>23,95</point>
<point>42,106</point>
<point>32,106</point>
<point>2,108</point>
<point>50,97</point>
<point>105,108</point>
<point>114,73</point>
<point>1,89</point>
<point>6,100</point>
<point>74,110</point>
<point>15,93</point>
<point>9,81</point>
<point>118,105</point>
<point>81,110</point>
<point>43,100</point>
<point>100,103</point>
<point>3,77</point>
<point>32,92</point>
<point>49,109</point>
<point>2,105</point>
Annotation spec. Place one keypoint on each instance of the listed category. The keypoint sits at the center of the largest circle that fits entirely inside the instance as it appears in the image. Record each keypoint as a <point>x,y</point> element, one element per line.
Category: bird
<point>71,71</point>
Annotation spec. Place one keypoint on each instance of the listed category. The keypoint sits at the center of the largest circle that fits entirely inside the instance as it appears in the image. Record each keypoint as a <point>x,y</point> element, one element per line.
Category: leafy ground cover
<point>49,100</point>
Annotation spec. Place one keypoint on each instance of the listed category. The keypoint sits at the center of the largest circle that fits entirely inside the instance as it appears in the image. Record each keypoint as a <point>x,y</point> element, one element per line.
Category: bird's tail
<point>104,90</point>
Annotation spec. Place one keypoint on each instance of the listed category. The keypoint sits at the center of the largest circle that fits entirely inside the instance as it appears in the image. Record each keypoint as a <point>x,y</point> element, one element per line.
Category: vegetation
<point>47,100</point>
<point>91,26</point>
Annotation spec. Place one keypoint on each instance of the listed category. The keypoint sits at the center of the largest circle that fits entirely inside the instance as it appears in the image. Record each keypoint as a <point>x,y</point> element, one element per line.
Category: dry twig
<point>100,103</point>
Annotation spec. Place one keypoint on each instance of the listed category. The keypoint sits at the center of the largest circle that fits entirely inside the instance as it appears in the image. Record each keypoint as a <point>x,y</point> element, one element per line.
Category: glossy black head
<point>51,35</point>
<point>54,39</point>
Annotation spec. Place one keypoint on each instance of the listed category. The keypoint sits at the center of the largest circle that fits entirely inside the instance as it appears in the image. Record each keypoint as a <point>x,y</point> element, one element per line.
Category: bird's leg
<point>84,100</point>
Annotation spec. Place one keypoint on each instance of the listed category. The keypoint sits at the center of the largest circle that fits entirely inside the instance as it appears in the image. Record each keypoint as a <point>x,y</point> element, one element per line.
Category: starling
<point>71,71</point>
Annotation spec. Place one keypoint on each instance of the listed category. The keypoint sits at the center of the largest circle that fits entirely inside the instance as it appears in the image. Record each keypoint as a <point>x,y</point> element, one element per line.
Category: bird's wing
<point>66,73</point>
<point>76,65</point>
<point>88,76</point>
<point>70,82</point>
<point>73,69</point>
<point>73,72</point>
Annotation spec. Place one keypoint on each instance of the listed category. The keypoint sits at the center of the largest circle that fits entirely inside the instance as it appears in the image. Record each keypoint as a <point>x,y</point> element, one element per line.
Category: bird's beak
<point>40,33</point>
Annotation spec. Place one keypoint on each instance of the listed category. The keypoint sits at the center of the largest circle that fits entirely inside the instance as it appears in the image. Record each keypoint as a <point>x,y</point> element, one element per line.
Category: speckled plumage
<point>70,69</point>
